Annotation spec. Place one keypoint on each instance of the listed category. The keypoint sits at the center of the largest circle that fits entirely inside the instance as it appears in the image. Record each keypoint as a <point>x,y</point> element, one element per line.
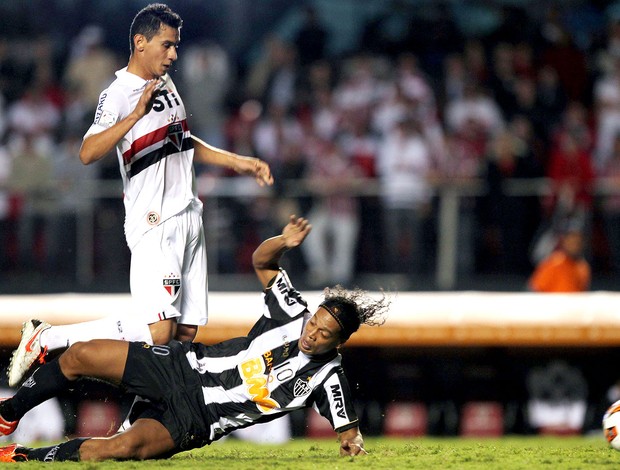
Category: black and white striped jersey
<point>263,376</point>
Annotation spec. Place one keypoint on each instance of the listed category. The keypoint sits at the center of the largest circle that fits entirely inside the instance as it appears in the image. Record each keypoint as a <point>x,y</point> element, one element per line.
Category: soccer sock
<point>46,382</point>
<point>126,329</point>
<point>66,451</point>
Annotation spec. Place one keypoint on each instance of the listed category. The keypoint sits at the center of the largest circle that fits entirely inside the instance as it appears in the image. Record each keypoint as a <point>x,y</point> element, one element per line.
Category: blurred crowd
<point>524,123</point>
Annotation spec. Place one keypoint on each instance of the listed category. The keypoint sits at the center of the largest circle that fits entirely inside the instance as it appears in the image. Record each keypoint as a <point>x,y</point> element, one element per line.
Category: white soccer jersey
<point>155,156</point>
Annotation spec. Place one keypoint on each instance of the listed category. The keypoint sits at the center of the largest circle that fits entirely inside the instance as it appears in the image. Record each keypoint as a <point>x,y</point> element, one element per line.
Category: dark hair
<point>352,308</point>
<point>149,20</point>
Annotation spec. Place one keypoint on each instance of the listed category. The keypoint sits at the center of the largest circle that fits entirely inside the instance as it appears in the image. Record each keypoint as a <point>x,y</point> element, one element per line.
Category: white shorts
<point>168,275</point>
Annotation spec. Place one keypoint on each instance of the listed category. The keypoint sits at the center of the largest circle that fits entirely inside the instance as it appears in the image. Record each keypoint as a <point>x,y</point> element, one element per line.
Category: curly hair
<point>351,308</point>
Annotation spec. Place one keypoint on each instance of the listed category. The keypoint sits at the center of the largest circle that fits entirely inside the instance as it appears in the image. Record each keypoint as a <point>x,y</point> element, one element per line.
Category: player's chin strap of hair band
<point>345,315</point>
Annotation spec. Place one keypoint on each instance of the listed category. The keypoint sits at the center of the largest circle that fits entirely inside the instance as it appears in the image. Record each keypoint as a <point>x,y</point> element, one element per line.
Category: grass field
<point>420,453</point>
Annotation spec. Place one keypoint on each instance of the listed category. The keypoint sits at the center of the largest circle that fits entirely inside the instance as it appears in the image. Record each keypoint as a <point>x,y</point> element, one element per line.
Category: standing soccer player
<point>142,116</point>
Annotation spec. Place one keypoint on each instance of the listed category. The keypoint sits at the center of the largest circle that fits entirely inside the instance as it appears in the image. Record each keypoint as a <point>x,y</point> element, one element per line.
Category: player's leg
<point>146,439</point>
<point>155,278</point>
<point>39,338</point>
<point>155,284</point>
<point>103,359</point>
<point>193,278</point>
<point>99,358</point>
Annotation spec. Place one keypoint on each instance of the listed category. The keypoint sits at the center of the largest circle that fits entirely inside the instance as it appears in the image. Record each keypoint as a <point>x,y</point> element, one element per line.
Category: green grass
<point>420,453</point>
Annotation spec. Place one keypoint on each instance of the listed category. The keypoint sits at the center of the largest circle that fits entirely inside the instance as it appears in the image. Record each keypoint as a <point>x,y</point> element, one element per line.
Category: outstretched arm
<point>351,442</point>
<point>205,153</point>
<point>266,257</point>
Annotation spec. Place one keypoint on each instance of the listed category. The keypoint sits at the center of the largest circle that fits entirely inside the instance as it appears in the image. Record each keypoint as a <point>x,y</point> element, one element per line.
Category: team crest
<point>172,284</point>
<point>175,134</point>
<point>301,388</point>
<point>152,218</point>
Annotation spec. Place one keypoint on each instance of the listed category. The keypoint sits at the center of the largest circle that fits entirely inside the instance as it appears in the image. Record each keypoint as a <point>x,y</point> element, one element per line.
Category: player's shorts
<point>168,276</point>
<point>162,375</point>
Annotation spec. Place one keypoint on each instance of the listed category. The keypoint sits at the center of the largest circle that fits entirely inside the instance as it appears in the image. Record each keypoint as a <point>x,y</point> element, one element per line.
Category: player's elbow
<point>89,151</point>
<point>87,156</point>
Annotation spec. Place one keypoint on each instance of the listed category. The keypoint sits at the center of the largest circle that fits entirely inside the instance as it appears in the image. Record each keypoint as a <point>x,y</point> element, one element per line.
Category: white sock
<point>126,329</point>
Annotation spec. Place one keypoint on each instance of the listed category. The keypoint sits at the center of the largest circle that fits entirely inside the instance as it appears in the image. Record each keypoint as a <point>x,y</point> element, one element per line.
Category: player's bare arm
<point>351,442</point>
<point>205,153</point>
<point>96,146</point>
<point>266,257</point>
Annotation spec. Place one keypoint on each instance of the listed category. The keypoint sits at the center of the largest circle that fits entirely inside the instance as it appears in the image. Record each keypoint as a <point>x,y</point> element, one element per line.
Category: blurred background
<point>435,146</point>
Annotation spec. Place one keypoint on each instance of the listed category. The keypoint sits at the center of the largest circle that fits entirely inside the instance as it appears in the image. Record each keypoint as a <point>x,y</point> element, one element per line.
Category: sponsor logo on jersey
<point>152,218</point>
<point>282,286</point>
<point>99,110</point>
<point>175,134</point>
<point>301,388</point>
<point>253,375</point>
<point>286,349</point>
<point>336,393</point>
<point>172,284</point>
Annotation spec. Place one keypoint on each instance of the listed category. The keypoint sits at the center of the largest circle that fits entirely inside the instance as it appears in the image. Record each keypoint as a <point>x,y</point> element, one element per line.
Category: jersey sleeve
<point>333,401</point>
<point>282,301</point>
<point>112,107</point>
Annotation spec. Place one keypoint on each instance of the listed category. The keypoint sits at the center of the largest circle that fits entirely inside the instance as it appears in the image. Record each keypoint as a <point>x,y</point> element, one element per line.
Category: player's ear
<point>139,41</point>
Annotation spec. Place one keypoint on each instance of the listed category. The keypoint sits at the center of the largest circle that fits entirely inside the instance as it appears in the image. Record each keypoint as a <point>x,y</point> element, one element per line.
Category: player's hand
<point>145,103</point>
<point>255,167</point>
<point>352,447</point>
<point>295,231</point>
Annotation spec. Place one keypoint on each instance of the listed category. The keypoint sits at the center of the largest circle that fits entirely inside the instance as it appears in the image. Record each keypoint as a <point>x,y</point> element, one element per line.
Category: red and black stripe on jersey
<point>165,143</point>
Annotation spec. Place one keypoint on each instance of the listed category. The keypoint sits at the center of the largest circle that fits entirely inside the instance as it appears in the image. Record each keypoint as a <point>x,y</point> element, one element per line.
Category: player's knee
<point>74,360</point>
<point>186,332</point>
<point>162,332</point>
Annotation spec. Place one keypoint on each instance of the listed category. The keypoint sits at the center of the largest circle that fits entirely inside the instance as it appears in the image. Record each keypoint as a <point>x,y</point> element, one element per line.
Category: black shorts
<point>163,376</point>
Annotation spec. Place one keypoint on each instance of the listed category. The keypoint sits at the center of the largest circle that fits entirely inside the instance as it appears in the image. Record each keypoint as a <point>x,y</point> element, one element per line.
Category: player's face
<point>320,335</point>
<point>161,51</point>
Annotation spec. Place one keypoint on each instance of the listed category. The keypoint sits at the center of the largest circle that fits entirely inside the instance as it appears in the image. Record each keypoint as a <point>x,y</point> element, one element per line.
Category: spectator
<point>404,170</point>
<point>607,112</point>
<point>565,269</point>
<point>505,235</point>
<point>34,116</point>
<point>5,208</point>
<point>572,177</point>
<point>74,184</point>
<point>551,99</point>
<point>361,147</point>
<point>610,205</point>
<point>359,88</point>
<point>31,182</point>
<point>330,249</point>
<point>273,131</point>
<point>273,77</point>
<point>311,39</point>
<point>503,77</point>
<point>454,77</point>
<point>205,79</point>
<point>91,65</point>
<point>474,105</point>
